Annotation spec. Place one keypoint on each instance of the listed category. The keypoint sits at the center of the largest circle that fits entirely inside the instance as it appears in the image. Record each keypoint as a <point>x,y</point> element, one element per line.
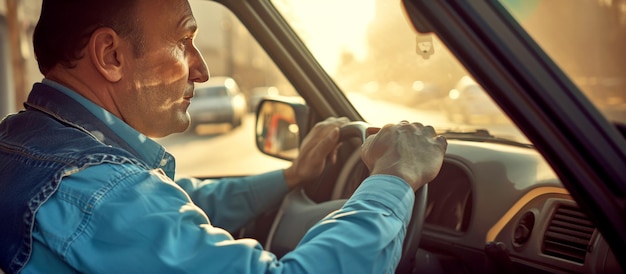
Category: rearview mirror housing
<point>280,125</point>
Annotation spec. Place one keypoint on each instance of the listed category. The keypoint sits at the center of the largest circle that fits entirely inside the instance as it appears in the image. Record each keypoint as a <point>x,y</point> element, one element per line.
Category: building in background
<point>7,99</point>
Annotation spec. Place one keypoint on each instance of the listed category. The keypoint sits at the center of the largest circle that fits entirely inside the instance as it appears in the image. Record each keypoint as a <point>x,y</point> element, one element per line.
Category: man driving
<point>85,188</point>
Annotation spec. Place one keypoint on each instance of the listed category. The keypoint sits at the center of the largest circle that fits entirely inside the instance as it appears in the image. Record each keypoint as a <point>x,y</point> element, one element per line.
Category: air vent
<point>568,234</point>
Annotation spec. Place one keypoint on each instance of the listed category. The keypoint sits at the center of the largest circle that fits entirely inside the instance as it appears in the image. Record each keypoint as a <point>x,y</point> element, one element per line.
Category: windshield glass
<point>589,46</point>
<point>390,72</point>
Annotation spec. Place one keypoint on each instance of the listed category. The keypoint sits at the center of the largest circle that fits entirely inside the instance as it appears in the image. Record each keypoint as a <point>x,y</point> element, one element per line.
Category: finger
<point>333,156</point>
<point>428,130</point>
<point>338,121</point>
<point>412,128</point>
<point>380,131</point>
<point>328,125</point>
<point>325,146</point>
<point>325,128</point>
<point>442,141</point>
<point>368,147</point>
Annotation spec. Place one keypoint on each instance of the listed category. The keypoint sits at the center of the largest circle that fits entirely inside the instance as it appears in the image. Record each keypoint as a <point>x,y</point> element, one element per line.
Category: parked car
<point>217,101</point>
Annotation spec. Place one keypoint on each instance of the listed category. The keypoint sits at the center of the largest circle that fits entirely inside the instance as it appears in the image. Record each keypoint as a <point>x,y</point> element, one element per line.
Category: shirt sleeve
<point>232,202</point>
<point>364,236</point>
<point>142,222</point>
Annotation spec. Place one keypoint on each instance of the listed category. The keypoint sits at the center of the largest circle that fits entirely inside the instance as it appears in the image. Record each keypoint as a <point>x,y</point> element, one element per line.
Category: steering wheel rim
<point>411,241</point>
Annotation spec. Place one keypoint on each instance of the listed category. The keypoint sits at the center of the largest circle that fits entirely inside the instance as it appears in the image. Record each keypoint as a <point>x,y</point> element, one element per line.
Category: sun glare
<point>328,30</point>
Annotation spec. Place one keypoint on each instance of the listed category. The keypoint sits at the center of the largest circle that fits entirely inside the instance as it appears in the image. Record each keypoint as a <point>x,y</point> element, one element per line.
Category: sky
<point>328,29</point>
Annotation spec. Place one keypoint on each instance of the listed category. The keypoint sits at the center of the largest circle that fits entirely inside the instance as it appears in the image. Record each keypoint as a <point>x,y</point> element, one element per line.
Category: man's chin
<point>165,131</point>
<point>182,128</point>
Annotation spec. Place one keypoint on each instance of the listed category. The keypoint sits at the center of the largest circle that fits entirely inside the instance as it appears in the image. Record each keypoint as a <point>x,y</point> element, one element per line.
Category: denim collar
<point>75,110</point>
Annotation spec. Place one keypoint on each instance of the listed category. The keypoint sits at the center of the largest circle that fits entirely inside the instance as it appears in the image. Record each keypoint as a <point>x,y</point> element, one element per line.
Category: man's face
<point>158,85</point>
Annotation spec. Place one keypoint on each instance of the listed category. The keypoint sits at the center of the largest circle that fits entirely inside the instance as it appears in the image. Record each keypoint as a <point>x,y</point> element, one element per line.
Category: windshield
<point>390,72</point>
<point>589,46</point>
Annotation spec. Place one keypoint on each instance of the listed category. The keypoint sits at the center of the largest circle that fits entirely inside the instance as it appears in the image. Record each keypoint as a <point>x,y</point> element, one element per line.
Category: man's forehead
<point>176,13</point>
<point>172,9</point>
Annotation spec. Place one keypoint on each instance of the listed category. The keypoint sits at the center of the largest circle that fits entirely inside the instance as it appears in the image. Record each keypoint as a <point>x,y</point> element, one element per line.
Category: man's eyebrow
<point>188,23</point>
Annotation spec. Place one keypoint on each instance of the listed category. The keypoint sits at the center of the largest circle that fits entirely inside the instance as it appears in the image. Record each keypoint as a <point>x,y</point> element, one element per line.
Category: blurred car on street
<point>217,101</point>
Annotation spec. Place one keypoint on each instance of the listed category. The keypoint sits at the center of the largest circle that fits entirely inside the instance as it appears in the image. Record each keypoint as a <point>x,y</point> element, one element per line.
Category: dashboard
<point>499,208</point>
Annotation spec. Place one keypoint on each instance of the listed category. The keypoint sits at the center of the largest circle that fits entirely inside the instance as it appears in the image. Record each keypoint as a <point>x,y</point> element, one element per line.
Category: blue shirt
<point>125,219</point>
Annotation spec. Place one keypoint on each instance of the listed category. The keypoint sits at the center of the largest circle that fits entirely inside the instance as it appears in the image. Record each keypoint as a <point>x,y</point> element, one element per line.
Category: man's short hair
<point>65,26</point>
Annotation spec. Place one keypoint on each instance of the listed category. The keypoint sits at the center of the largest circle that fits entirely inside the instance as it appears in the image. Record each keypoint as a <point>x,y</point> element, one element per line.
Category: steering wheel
<point>414,229</point>
<point>298,213</point>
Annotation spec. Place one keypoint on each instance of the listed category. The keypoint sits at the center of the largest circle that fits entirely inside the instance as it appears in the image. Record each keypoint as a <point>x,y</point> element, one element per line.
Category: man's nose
<point>198,70</point>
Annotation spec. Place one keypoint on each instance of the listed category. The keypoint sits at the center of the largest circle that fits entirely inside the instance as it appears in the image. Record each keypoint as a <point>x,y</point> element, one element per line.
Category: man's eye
<point>184,42</point>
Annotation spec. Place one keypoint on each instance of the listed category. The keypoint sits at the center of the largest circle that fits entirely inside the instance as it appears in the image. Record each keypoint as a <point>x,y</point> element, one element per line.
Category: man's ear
<point>105,53</point>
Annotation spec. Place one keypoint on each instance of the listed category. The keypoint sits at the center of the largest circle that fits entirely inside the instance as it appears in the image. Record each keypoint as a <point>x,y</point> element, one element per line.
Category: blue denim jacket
<point>33,163</point>
<point>84,195</point>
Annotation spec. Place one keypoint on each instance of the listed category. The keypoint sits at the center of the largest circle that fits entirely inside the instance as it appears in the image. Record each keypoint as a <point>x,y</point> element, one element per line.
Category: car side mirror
<point>280,125</point>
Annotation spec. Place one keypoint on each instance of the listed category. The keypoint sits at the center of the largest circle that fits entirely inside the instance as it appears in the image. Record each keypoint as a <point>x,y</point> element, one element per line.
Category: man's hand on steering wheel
<point>410,151</point>
<point>319,145</point>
